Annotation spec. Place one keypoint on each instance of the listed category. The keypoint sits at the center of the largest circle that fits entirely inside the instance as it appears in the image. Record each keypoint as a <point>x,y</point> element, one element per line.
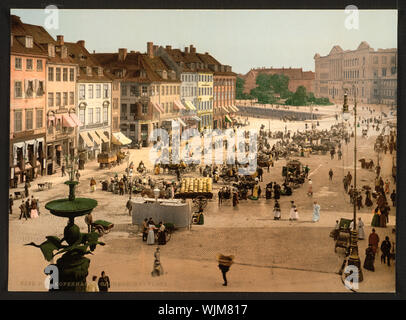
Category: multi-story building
<point>371,74</point>
<point>27,103</point>
<point>189,79</point>
<point>62,121</point>
<point>93,103</point>
<point>150,91</point>
<point>224,81</point>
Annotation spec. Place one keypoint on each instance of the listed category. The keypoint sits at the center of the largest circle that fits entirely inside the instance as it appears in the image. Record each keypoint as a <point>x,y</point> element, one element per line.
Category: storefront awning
<point>102,136</point>
<point>234,108</point>
<point>225,109</point>
<point>190,106</point>
<point>181,122</point>
<point>51,119</point>
<point>95,137</point>
<point>227,118</point>
<point>120,139</point>
<point>86,139</point>
<point>68,121</point>
<point>196,118</point>
<point>157,107</point>
<point>179,105</point>
<point>76,119</point>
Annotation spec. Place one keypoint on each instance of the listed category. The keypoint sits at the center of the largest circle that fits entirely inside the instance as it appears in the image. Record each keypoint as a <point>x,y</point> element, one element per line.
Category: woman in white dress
<point>294,215</point>
<point>361,232</point>
<point>151,234</point>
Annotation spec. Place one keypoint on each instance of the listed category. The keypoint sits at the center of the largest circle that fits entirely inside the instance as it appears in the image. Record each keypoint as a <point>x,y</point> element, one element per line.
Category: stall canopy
<point>102,136</point>
<point>68,121</point>
<point>227,119</point>
<point>86,139</point>
<point>225,109</point>
<point>157,107</point>
<point>120,139</point>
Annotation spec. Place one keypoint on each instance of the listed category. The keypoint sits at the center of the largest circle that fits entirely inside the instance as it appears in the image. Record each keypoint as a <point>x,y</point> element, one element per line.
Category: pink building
<point>27,103</point>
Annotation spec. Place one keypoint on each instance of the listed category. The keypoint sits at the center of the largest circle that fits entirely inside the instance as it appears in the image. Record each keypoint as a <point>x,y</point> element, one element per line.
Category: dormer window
<point>29,42</point>
<point>100,71</point>
<point>89,71</point>
<point>51,50</point>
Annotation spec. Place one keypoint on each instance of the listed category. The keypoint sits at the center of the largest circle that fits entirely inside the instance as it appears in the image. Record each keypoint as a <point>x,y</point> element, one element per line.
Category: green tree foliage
<point>239,87</point>
<point>302,98</point>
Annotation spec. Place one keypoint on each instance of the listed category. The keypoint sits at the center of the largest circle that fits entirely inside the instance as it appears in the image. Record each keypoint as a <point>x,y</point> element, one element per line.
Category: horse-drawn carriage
<point>264,160</point>
<point>367,163</point>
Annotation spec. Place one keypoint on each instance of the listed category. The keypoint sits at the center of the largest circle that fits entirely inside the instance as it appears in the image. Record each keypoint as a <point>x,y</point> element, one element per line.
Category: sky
<point>244,39</point>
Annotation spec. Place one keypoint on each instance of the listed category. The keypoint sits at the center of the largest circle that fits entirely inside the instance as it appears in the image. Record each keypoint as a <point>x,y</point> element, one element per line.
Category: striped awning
<point>196,118</point>
<point>86,139</point>
<point>227,118</point>
<point>76,119</point>
<point>95,137</point>
<point>68,121</point>
<point>157,107</point>
<point>190,105</point>
<point>181,122</point>
<point>179,105</point>
<point>225,109</point>
<point>120,139</point>
<point>102,136</point>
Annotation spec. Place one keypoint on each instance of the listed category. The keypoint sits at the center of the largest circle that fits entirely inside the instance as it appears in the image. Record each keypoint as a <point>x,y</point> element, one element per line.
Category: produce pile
<point>194,185</point>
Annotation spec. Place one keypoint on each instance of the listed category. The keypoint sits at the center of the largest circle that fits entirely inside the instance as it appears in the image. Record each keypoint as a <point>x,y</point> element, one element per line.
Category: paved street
<point>270,255</point>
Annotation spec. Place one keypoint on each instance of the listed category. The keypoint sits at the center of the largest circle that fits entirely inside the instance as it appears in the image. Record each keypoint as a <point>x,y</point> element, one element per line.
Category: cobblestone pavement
<point>270,255</point>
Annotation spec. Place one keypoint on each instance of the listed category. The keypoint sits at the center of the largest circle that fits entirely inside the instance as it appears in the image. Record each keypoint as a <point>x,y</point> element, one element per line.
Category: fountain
<point>72,265</point>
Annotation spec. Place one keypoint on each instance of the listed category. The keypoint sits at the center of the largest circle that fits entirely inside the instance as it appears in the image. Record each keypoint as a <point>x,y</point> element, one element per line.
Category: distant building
<point>297,77</point>
<point>372,72</point>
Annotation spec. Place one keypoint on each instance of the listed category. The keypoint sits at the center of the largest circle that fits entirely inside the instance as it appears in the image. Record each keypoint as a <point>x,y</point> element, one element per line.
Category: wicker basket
<point>225,260</point>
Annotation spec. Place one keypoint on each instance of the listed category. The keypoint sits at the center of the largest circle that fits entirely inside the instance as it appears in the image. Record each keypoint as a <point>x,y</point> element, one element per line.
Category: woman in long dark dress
<point>376,219</point>
<point>368,200</point>
<point>369,258</point>
<point>161,234</point>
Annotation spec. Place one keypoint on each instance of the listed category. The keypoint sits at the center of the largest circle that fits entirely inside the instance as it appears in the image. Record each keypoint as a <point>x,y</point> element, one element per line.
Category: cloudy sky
<point>244,39</point>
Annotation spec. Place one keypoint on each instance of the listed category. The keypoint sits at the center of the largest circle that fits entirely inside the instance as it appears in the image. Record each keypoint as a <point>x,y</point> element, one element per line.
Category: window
<point>30,88</point>
<point>90,91</point>
<point>393,60</point>
<point>375,60</point>
<point>39,116</point>
<point>65,98</point>
<point>29,42</point>
<point>98,115</point>
<point>384,60</point>
<point>177,90</point>
<point>82,115</point>
<point>18,64</point>
<point>58,99</point>
<point>167,90</point>
<point>123,90</point>
<point>163,90</point>
<point>90,115</point>
<point>18,90</point>
<point>144,90</point>
<point>65,74</point>
<point>144,108</point>
<point>393,70</point>
<point>40,89</point>
<point>133,109</point>
<point>29,64</point>
<point>71,97</point>
<point>57,74</point>
<point>383,72</point>
<point>50,74</point>
<point>28,120</point>
<point>98,91</point>
<point>39,65</point>
<point>72,74</point>
<point>105,91</point>
<point>50,99</point>
<point>18,121</point>
<point>134,91</point>
<point>82,92</point>
<point>105,114</point>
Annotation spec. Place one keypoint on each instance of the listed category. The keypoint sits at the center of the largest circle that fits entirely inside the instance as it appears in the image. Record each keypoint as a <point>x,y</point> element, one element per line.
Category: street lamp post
<point>353,258</point>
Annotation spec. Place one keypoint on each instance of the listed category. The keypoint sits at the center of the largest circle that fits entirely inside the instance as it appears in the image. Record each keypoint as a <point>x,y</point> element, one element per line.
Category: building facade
<point>93,104</point>
<point>27,103</point>
<point>368,73</point>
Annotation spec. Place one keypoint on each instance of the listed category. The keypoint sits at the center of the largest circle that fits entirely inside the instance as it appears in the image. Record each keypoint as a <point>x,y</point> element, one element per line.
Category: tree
<point>239,88</point>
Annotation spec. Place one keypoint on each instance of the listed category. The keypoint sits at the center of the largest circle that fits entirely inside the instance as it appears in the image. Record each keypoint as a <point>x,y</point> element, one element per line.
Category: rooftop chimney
<point>122,54</point>
<point>168,48</point>
<point>192,49</point>
<point>186,50</point>
<point>81,43</point>
<point>59,39</point>
<point>150,49</point>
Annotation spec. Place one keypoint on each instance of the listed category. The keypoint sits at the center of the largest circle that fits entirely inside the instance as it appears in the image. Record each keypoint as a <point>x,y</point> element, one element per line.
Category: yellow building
<point>205,99</point>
